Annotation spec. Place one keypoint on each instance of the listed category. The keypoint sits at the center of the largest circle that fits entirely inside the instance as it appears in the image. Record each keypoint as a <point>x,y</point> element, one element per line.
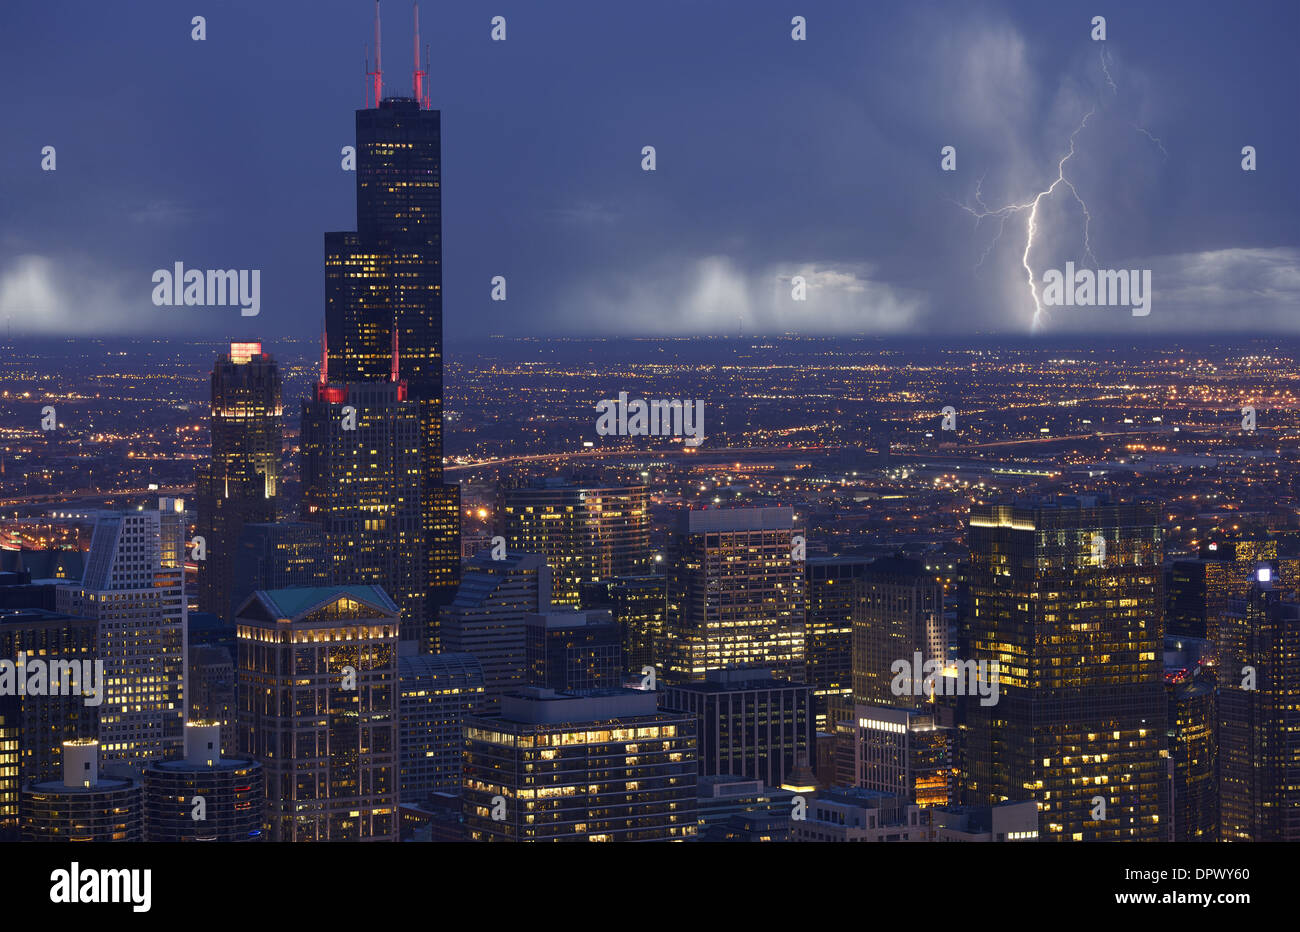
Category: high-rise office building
<point>280,555</point>
<point>605,765</point>
<point>1199,590</point>
<point>363,479</point>
<point>639,606</point>
<point>486,618</point>
<point>383,306</point>
<point>902,751</point>
<point>203,796</point>
<point>134,588</point>
<point>1064,599</point>
<point>586,531</point>
<point>897,613</point>
<point>735,594</point>
<point>749,724</point>
<point>240,483</point>
<point>438,692</point>
<point>1259,716</point>
<point>84,805</point>
<point>1193,792</point>
<point>565,649</point>
<point>828,632</point>
<point>318,705</point>
<point>60,650</point>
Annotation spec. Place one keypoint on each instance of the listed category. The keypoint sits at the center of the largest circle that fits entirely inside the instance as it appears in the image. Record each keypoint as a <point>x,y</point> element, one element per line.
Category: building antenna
<point>419,75</point>
<point>377,76</point>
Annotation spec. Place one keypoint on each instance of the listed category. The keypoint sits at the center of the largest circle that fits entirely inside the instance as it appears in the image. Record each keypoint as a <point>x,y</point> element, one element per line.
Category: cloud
<point>715,294</point>
<point>1241,291</point>
<point>75,297</point>
<point>163,213</point>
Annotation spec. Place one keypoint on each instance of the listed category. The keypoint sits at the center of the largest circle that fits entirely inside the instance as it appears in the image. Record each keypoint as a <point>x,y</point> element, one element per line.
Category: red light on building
<point>334,394</point>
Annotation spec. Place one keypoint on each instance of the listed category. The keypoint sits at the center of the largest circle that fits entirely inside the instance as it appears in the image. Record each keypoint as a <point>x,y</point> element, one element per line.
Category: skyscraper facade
<point>603,765</point>
<point>1064,598</point>
<point>438,692</point>
<point>486,618</point>
<point>203,796</point>
<point>749,724</point>
<point>363,481</point>
<point>1259,716</point>
<point>383,306</point>
<point>735,594</point>
<point>586,531</point>
<point>638,605</point>
<point>568,650</point>
<point>318,705</point>
<point>828,632</point>
<point>34,727</point>
<point>280,555</point>
<point>897,613</point>
<point>241,481</point>
<point>134,589</point>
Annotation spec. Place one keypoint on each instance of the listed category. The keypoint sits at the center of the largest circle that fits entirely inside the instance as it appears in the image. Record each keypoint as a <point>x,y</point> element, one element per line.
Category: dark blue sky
<point>775,158</point>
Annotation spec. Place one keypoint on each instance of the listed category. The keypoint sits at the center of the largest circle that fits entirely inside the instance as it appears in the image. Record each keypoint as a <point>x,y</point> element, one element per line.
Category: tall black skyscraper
<point>383,296</point>
<point>240,484</point>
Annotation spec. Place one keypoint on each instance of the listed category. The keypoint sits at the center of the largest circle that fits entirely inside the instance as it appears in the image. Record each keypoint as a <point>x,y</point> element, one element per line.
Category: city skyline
<point>739,424</point>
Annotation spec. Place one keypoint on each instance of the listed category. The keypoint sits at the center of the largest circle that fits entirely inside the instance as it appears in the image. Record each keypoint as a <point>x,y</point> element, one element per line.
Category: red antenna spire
<point>419,75</point>
<point>394,370</point>
<point>377,76</point>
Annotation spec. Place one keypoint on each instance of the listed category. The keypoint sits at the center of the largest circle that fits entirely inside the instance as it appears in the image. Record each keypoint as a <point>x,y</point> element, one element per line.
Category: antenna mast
<point>421,98</point>
<point>377,76</point>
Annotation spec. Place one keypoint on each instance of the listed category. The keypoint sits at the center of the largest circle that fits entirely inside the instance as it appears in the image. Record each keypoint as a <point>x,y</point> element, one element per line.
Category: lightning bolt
<point>1105,68</point>
<point>1153,139</point>
<point>1105,57</point>
<point>1031,225</point>
<point>982,211</point>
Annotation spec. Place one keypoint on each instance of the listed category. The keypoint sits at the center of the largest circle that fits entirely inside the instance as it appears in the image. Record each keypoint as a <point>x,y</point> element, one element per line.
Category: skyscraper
<point>897,613</point>
<point>438,692</point>
<point>735,594</point>
<point>241,481</point>
<point>603,765</point>
<point>1064,599</point>
<point>749,724</point>
<point>566,650</point>
<point>1259,717</point>
<point>318,700</point>
<point>486,618</point>
<point>1193,742</point>
<point>828,633</point>
<point>587,531</point>
<point>638,605</point>
<point>134,588</point>
<point>383,303</point>
<point>362,481</point>
<point>34,727</point>
<point>280,555</point>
